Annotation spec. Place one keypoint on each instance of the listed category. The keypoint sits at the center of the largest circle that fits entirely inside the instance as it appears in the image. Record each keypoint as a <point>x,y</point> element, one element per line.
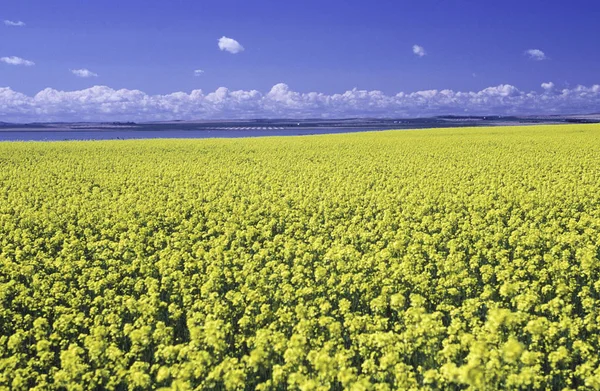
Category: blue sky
<point>144,50</point>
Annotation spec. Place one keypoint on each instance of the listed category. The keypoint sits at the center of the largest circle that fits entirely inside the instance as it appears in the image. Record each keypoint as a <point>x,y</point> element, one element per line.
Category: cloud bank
<point>83,73</point>
<point>13,23</point>
<point>419,50</point>
<point>536,54</point>
<point>230,45</point>
<point>13,60</point>
<point>101,103</point>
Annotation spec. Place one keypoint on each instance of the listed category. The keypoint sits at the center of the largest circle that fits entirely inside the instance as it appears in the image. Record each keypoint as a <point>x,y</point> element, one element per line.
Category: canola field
<point>435,259</point>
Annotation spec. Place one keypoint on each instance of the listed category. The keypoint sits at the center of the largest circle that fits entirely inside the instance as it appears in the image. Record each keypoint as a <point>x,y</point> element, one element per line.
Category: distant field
<point>437,259</point>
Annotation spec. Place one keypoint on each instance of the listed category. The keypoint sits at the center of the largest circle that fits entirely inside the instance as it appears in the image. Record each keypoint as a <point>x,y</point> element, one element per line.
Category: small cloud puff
<point>12,23</point>
<point>198,72</point>
<point>230,45</point>
<point>536,54</point>
<point>83,73</point>
<point>548,86</point>
<point>13,60</point>
<point>419,50</point>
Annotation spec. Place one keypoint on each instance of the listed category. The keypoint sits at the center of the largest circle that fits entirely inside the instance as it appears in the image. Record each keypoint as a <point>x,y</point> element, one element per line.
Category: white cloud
<point>419,50</point>
<point>198,72</point>
<point>17,61</point>
<point>100,103</point>
<point>548,86</point>
<point>230,45</point>
<point>83,73</point>
<point>536,54</point>
<point>13,23</point>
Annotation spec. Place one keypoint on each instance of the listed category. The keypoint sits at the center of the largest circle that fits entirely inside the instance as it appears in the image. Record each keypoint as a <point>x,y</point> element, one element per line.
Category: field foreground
<point>439,259</point>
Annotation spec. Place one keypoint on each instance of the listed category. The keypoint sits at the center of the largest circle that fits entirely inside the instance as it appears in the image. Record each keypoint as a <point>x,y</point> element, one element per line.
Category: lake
<point>121,134</point>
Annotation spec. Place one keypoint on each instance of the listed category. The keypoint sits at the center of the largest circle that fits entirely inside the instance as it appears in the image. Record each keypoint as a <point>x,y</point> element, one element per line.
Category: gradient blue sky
<point>326,46</point>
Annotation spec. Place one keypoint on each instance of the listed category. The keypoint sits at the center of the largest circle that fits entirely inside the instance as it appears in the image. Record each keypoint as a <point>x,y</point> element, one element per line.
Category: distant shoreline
<point>258,128</point>
<point>287,124</point>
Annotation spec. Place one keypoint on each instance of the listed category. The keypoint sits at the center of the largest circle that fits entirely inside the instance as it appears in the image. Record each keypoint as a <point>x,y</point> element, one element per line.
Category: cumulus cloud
<point>419,50</point>
<point>83,73</point>
<point>230,45</point>
<point>13,60</point>
<point>548,86</point>
<point>14,23</point>
<point>536,54</point>
<point>101,103</point>
<point>198,72</point>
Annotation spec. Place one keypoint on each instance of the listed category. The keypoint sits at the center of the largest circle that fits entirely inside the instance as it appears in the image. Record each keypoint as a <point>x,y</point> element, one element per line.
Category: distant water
<point>60,135</point>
